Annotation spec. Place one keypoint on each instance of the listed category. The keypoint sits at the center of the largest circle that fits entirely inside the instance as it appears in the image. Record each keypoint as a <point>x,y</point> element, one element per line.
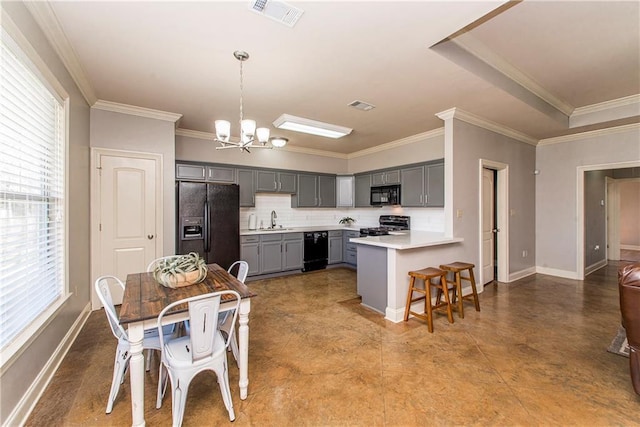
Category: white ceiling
<point>178,57</point>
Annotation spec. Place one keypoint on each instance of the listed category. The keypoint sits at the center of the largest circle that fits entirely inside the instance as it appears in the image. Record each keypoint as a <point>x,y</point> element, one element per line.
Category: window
<point>32,196</point>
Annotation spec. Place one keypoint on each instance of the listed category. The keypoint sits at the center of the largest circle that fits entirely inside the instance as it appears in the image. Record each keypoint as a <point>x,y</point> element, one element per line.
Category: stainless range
<point>387,223</point>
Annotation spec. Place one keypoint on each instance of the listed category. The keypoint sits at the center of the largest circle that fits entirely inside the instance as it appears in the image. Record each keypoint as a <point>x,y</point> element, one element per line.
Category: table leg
<point>136,370</point>
<point>243,346</point>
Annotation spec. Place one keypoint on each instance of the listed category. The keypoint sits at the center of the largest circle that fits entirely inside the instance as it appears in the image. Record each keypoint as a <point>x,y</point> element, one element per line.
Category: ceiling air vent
<point>277,10</point>
<point>360,105</point>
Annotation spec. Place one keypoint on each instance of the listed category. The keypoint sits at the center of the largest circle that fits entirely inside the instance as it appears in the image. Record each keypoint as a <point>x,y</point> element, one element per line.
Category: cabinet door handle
<point>426,199</point>
<point>421,198</point>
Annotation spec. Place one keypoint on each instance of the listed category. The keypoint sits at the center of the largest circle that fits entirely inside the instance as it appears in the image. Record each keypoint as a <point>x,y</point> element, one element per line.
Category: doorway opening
<point>494,224</point>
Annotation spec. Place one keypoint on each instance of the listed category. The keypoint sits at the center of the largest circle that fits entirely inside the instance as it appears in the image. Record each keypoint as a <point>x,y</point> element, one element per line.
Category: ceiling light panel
<point>313,127</point>
<point>277,10</point>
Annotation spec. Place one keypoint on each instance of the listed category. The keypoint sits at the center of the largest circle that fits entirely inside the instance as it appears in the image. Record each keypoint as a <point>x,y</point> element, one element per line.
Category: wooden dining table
<point>143,300</point>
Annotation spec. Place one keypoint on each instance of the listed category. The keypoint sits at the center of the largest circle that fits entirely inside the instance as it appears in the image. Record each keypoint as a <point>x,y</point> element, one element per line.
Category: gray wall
<point>557,186</point>
<point>20,372</point>
<point>119,131</point>
<point>595,217</point>
<point>201,150</point>
<point>470,144</point>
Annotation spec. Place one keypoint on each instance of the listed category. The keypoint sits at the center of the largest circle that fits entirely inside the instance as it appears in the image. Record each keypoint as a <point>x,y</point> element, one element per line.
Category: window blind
<point>32,195</point>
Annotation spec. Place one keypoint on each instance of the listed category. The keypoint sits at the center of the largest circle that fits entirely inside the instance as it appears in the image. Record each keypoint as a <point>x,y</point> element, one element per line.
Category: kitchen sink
<point>275,229</point>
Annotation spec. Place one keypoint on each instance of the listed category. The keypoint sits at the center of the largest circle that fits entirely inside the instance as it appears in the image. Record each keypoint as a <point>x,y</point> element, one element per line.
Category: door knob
<point>495,230</point>
<point>149,236</point>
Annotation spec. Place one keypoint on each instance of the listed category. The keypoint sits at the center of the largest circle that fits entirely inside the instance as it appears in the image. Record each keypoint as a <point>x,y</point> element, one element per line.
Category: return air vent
<point>360,105</point>
<point>277,10</point>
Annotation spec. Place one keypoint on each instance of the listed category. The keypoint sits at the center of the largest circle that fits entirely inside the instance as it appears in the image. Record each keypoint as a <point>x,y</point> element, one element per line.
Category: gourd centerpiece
<point>180,270</point>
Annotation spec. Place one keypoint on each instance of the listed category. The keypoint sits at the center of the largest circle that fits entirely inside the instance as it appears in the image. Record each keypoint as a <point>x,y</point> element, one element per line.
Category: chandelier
<point>250,137</point>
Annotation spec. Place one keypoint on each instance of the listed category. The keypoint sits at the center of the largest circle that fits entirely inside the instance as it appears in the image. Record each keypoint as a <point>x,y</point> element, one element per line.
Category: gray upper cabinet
<point>434,183</point>
<point>247,183</point>
<point>307,195</point>
<point>315,191</point>
<point>385,178</point>
<point>274,181</point>
<point>326,191</point>
<point>423,186</point>
<point>412,186</point>
<point>221,174</point>
<point>363,190</point>
<point>190,172</point>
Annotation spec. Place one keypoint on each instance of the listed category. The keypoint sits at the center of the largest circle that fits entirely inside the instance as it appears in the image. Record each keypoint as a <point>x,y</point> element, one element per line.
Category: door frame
<point>613,221</point>
<point>502,218</point>
<point>580,231</point>
<point>95,208</point>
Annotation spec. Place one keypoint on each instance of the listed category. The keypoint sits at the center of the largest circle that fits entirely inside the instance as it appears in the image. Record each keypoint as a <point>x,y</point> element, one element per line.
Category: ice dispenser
<point>192,228</point>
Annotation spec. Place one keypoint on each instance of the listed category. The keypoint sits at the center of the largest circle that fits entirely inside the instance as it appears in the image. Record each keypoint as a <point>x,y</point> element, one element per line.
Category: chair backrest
<point>203,320</point>
<point>243,270</point>
<point>103,289</point>
<point>152,264</point>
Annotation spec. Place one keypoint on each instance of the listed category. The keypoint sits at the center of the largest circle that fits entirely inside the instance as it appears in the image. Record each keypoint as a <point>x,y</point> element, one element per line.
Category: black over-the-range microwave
<point>385,195</point>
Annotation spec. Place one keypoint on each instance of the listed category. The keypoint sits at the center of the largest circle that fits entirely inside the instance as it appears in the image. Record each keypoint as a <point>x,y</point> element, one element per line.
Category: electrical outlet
<point>459,213</point>
<point>524,254</point>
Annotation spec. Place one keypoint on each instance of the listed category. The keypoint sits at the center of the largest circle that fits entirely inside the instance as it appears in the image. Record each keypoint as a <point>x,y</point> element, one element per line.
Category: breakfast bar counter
<point>385,261</point>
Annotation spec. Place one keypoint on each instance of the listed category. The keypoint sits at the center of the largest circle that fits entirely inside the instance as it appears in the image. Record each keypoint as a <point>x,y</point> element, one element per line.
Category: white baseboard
<point>21,412</point>
<point>596,266</point>
<point>521,274</point>
<point>558,273</point>
<point>396,316</point>
<point>630,247</point>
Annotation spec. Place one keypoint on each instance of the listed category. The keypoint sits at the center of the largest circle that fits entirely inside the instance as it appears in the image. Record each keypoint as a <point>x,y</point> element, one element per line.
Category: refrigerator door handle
<point>207,243</point>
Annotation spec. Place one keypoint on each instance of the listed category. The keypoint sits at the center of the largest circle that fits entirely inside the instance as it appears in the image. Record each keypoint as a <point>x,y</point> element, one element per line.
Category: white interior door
<point>488,226</point>
<point>127,229</point>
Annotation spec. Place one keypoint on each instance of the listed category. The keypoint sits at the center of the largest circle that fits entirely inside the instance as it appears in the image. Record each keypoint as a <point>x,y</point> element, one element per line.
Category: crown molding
<point>46,18</point>
<point>607,105</point>
<point>589,134</point>
<point>209,136</point>
<point>486,124</point>
<point>136,111</point>
<point>398,143</point>
<point>476,48</point>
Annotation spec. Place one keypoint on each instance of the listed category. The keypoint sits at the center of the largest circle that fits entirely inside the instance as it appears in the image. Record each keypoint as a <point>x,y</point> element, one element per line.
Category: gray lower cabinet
<point>270,253</point>
<point>246,181</point>
<point>350,252</point>
<point>250,252</point>
<point>362,191</point>
<point>292,254</point>
<point>335,246</point>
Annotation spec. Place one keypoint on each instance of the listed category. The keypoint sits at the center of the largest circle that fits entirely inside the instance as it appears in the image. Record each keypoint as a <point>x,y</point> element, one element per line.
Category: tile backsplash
<point>428,219</point>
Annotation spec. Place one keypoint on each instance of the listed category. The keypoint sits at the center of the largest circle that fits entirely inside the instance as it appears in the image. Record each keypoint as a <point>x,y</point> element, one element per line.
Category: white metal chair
<point>151,339</point>
<point>203,349</point>
<point>224,319</point>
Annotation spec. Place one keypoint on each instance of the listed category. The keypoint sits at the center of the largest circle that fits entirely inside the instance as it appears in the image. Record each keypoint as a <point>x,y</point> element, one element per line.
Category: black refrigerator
<point>209,221</point>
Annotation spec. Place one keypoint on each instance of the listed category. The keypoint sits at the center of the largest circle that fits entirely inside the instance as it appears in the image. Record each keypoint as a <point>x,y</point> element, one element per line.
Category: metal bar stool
<point>457,268</point>
<point>427,274</point>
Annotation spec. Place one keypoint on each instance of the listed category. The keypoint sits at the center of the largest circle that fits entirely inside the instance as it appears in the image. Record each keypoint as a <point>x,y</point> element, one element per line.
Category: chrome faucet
<point>273,219</point>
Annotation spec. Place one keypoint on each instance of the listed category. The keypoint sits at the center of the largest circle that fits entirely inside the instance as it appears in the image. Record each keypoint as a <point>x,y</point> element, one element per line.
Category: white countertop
<point>407,240</point>
<point>246,232</point>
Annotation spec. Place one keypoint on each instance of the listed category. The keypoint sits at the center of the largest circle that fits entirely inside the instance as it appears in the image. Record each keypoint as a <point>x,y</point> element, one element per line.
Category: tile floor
<point>535,355</point>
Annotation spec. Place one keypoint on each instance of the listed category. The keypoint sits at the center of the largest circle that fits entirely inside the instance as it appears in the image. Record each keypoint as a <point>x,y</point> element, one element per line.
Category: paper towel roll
<point>252,222</point>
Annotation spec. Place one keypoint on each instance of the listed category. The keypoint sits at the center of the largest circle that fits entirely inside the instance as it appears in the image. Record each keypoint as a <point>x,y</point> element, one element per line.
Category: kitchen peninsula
<point>384,261</point>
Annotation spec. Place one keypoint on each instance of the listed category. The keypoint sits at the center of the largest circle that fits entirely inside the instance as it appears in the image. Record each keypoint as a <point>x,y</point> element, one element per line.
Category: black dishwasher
<point>316,250</point>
